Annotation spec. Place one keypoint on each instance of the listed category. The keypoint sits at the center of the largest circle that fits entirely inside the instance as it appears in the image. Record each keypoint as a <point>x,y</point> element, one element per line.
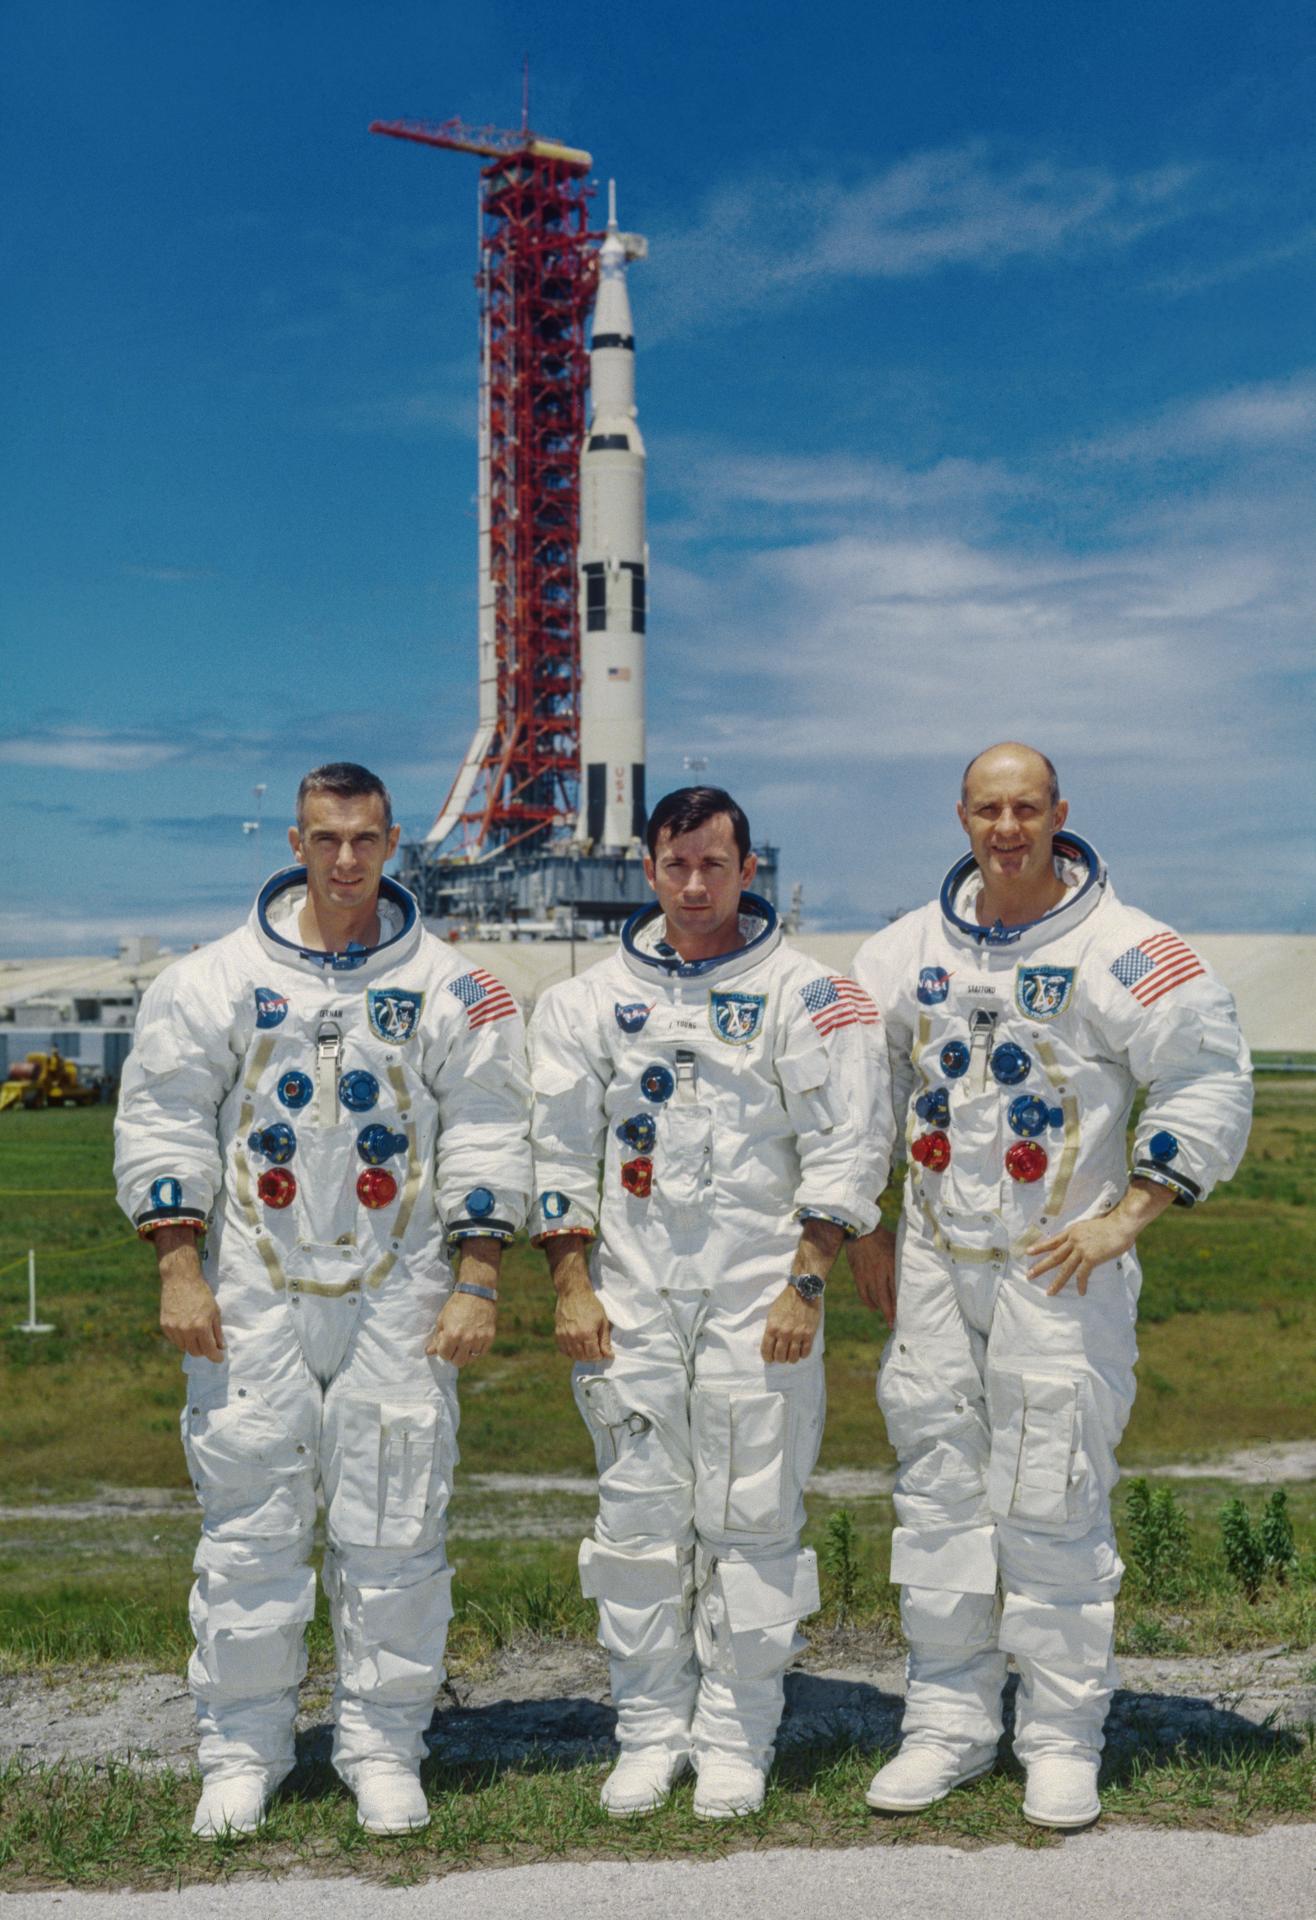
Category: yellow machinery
<point>47,1080</point>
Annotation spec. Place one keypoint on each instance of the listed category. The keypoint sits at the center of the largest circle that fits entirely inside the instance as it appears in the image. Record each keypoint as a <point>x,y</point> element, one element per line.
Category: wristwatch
<point>809,1286</point>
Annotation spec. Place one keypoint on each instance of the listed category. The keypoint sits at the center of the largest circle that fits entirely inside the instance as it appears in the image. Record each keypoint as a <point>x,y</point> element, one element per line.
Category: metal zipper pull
<point>687,1075</point>
<point>328,1053</point>
<point>982,1025</point>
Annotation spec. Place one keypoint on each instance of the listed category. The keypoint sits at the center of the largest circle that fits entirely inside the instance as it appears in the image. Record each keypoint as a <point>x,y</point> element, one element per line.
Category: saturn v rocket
<point>613,561</point>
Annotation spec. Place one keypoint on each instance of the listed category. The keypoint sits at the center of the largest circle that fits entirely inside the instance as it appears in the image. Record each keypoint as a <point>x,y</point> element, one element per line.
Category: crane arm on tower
<point>493,143</point>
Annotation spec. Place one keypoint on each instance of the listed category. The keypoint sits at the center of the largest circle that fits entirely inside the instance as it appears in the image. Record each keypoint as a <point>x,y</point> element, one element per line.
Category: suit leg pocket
<point>251,1473</point>
<point>1040,1476</point>
<point>391,1456</point>
<point>745,1479</point>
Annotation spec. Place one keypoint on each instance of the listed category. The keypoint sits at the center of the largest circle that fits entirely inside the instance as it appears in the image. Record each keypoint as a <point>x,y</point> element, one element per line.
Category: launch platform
<point>553,895</point>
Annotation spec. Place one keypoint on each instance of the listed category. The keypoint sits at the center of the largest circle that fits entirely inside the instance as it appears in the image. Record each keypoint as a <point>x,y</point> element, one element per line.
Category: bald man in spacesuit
<point>1024,1010</point>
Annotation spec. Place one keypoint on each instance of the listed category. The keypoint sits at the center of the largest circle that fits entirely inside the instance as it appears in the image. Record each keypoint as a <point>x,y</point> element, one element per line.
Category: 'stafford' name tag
<point>979,993</point>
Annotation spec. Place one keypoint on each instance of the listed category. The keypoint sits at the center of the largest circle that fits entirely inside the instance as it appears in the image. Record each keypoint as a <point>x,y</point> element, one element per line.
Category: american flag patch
<point>1155,966</point>
<point>833,1001</point>
<point>483,997</point>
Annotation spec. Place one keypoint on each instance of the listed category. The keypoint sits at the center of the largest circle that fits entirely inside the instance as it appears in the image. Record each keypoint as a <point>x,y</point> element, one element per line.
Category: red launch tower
<point>538,269</point>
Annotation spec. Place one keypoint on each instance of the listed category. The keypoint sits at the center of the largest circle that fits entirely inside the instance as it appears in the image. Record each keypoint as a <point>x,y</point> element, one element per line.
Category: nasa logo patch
<point>1043,993</point>
<point>393,1012</point>
<point>630,1015</point>
<point>271,1007</point>
<point>736,1017</point>
<point>933,986</point>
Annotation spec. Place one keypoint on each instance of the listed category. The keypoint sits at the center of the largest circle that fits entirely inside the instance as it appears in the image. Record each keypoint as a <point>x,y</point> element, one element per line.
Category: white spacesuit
<point>335,1118</point>
<point>1016,1055</point>
<point>721,1100</point>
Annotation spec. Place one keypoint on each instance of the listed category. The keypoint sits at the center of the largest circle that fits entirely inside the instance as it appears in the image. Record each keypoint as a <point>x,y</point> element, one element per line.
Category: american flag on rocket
<point>1156,966</point>
<point>483,997</point>
<point>833,1001</point>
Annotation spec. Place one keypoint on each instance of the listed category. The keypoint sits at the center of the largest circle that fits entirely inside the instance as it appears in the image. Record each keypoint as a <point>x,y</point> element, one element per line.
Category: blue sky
<point>976,370</point>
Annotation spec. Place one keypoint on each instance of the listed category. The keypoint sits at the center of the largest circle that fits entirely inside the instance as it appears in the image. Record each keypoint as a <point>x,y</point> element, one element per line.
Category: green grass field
<point>1227,1325</point>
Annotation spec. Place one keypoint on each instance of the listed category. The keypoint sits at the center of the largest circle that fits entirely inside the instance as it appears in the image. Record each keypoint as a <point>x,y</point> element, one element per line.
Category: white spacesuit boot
<point>230,1804</point>
<point>389,1797</point>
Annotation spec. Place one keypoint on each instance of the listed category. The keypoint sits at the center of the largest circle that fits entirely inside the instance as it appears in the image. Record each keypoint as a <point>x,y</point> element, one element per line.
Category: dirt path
<point>1249,1466</point>
<point>552,1697</point>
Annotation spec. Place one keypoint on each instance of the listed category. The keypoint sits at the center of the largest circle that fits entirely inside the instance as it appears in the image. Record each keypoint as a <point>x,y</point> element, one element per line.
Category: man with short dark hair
<point>344,780</point>
<point>732,1096</point>
<point>326,1097</point>
<point>1024,1010</point>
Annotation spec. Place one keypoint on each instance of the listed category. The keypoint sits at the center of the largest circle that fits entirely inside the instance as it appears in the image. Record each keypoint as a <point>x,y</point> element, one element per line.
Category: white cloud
<point>839,679</point>
<point>748,494</point>
<point>89,750</point>
<point>960,206</point>
<point>1258,417</point>
<point>1188,280</point>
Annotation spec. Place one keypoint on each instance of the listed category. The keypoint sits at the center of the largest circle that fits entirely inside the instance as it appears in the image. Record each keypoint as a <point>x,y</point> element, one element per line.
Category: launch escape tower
<point>521,837</point>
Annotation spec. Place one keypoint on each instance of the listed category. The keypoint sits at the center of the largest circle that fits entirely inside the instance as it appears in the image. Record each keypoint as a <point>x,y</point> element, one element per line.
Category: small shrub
<point>1158,1540</point>
<point>1277,1543</point>
<point>840,1561</point>
<point>1245,1556</point>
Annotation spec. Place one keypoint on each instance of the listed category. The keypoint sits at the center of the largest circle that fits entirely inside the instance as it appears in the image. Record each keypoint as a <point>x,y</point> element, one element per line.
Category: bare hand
<point>792,1325</point>
<point>873,1264</point>
<point>1076,1250</point>
<point>464,1330</point>
<point>581,1325</point>
<point>189,1312</point>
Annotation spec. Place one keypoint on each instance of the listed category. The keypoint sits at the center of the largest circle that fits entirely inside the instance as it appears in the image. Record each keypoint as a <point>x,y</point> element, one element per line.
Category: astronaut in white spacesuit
<point>328,1096</point>
<point>1024,1009</point>
<point>732,1096</point>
